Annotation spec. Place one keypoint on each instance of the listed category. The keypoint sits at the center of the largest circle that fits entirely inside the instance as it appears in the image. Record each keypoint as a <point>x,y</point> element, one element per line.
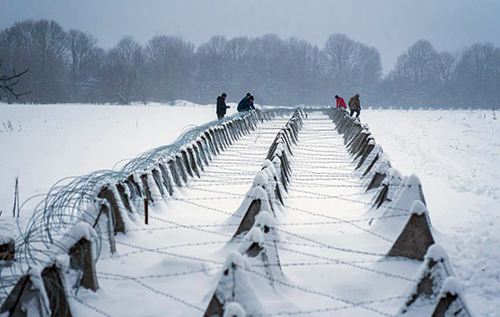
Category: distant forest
<point>69,67</point>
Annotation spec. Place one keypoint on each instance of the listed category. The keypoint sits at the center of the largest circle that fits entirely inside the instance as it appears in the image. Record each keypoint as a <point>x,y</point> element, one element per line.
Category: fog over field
<point>413,54</point>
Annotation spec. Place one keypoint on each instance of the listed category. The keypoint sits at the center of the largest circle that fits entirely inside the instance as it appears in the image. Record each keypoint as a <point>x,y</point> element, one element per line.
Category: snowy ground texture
<point>172,266</point>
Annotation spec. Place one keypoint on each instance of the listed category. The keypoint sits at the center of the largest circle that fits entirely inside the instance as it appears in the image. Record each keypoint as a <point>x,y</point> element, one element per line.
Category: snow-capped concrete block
<point>390,188</point>
<point>260,246</point>
<point>174,171</point>
<point>424,295</point>
<point>108,193</point>
<point>451,301</point>
<point>234,310</point>
<point>181,167</point>
<point>258,196</point>
<point>234,286</point>
<point>193,161</point>
<point>416,236</point>
<point>260,180</point>
<point>77,243</point>
<point>166,179</point>
<point>105,211</point>
<point>27,298</point>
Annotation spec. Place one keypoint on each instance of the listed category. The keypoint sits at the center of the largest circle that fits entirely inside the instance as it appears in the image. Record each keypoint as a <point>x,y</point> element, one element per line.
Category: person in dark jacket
<point>246,104</point>
<point>355,105</point>
<point>221,106</point>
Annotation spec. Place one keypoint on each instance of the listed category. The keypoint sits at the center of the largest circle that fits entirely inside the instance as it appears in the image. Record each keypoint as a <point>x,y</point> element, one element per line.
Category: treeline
<point>69,67</point>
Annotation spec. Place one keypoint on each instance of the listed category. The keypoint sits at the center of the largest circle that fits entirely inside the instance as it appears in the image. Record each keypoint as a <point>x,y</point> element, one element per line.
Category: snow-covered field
<point>51,142</point>
<point>454,153</point>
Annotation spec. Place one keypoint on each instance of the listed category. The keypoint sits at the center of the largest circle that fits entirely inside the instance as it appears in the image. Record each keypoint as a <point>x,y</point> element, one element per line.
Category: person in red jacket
<point>340,102</point>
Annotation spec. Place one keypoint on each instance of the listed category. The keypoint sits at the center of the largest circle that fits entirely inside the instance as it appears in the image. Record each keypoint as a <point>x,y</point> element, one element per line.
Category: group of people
<point>354,104</point>
<point>244,106</point>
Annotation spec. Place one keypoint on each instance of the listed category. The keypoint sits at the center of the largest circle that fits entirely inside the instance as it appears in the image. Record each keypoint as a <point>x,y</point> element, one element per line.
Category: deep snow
<point>454,153</point>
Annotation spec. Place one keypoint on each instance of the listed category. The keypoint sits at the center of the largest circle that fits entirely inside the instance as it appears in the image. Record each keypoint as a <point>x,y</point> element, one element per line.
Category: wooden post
<point>146,213</point>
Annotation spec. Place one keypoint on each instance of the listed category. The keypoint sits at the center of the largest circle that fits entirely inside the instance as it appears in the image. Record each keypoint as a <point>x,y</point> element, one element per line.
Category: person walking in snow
<point>246,104</point>
<point>340,102</point>
<point>355,105</point>
<point>221,106</point>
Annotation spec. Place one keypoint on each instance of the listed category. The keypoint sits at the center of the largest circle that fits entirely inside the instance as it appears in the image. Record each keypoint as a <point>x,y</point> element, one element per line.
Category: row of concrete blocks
<point>129,199</point>
<point>436,292</point>
<point>44,290</point>
<point>257,254</point>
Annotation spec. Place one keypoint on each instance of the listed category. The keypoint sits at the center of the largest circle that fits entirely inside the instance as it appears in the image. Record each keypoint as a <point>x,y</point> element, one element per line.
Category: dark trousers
<point>220,116</point>
<point>358,111</point>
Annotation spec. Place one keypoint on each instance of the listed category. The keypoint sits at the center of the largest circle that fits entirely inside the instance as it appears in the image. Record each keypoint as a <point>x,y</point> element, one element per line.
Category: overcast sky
<point>389,25</point>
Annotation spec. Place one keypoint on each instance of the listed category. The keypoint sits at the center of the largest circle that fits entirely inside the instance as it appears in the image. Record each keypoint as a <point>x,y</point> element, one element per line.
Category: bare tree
<point>121,70</point>
<point>9,83</point>
<point>49,41</point>
<point>418,64</point>
<point>478,73</point>
<point>354,67</point>
<point>446,67</point>
<point>83,63</point>
<point>170,62</point>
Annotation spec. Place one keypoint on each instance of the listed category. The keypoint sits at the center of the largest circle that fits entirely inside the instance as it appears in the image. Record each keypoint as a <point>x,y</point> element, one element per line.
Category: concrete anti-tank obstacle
<point>416,236</point>
<point>402,192</point>
<point>125,196</point>
<point>146,187</point>
<point>451,301</point>
<point>192,160</point>
<point>363,139</point>
<point>81,258</point>
<point>105,210</point>
<point>158,179</point>
<point>167,181</point>
<point>363,147</point>
<point>370,166</point>
<point>201,151</point>
<point>234,286</point>
<point>29,299</point>
<point>203,143</point>
<point>267,164</point>
<point>424,295</point>
<point>174,171</point>
<point>382,167</point>
<point>258,194</point>
<point>198,156</point>
<point>260,246</point>
<point>215,141</point>
<point>108,194</point>
<point>279,174</point>
<point>376,181</point>
<point>181,168</point>
<point>389,188</point>
<point>53,282</point>
<point>77,244</point>
<point>366,152</point>
<point>25,299</point>
<point>185,161</point>
<point>234,310</point>
<point>210,142</point>
<point>134,186</point>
